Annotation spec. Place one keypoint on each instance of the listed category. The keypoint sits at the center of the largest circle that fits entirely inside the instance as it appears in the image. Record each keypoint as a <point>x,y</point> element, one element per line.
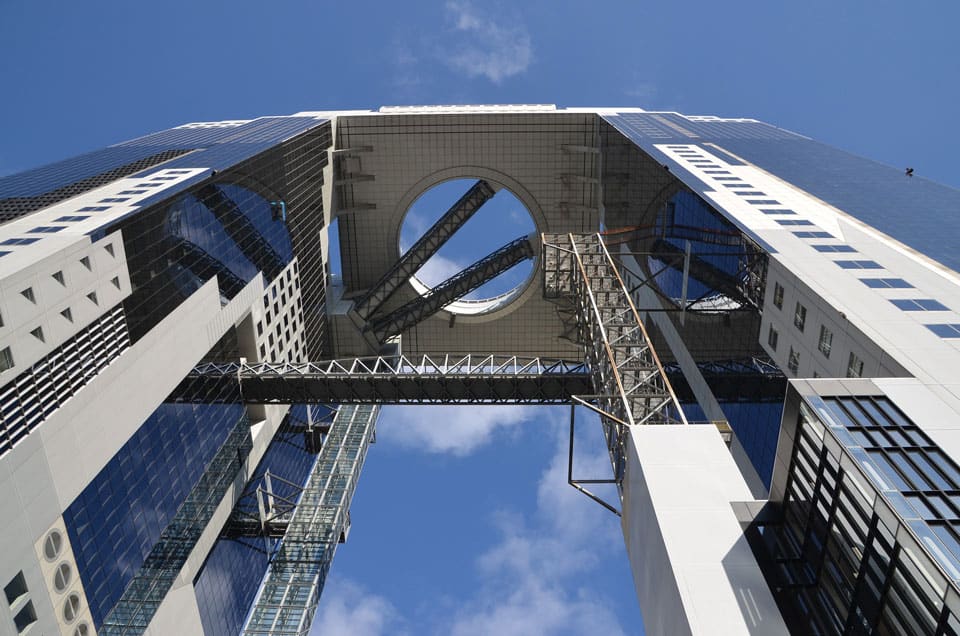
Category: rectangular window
<point>772,338</point>
<point>772,212</point>
<point>94,208</point>
<point>826,341</point>
<point>19,241</point>
<point>6,359</point>
<point>813,234</point>
<point>114,200</point>
<point>945,330</point>
<point>854,366</point>
<point>71,219</point>
<point>793,361</point>
<point>752,193</point>
<point>794,222</point>
<point>763,201</point>
<point>859,264</point>
<point>834,248</point>
<point>919,304</point>
<point>800,316</point>
<point>886,283</point>
<point>778,295</point>
<point>46,229</point>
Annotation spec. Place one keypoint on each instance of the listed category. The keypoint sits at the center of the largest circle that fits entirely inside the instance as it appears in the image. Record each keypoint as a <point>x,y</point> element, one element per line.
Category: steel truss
<point>288,597</point>
<point>632,386</point>
<point>454,288</point>
<point>425,247</point>
<point>470,379</point>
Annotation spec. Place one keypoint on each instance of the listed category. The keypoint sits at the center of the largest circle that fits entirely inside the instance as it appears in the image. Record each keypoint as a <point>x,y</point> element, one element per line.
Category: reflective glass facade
<point>228,582</point>
<point>115,521</point>
<point>877,194</point>
<point>869,499</point>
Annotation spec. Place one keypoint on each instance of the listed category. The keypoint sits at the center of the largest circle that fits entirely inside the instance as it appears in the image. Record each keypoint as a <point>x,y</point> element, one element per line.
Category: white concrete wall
<point>692,567</point>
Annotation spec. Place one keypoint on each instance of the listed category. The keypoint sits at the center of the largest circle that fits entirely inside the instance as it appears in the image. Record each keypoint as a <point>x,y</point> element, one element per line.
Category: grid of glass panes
<point>908,462</point>
<point>838,566</point>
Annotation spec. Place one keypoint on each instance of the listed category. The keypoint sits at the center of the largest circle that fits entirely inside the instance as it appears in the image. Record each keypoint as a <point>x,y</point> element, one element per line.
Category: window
<point>833,248</point>
<point>16,588</point>
<point>61,578</point>
<point>772,338</point>
<point>19,241</point>
<point>94,208</point>
<point>919,304</point>
<point>826,341</point>
<point>859,264</point>
<point>25,617</point>
<point>813,234</point>
<point>71,608</point>
<point>52,545</point>
<point>114,200</point>
<point>794,222</point>
<point>38,334</point>
<point>945,330</point>
<point>886,283</point>
<point>46,229</point>
<point>6,359</point>
<point>85,261</point>
<point>28,294</point>
<point>763,201</point>
<point>71,219</point>
<point>772,212</point>
<point>854,366</point>
<point>778,295</point>
<point>58,276</point>
<point>800,317</point>
<point>793,361</point>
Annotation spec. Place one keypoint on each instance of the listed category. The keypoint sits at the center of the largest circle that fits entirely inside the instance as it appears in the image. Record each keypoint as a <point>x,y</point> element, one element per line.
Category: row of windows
<point>824,341</point>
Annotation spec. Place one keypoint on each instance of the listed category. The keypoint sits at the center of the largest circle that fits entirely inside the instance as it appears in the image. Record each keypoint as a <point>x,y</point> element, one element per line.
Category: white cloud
<point>458,430</point>
<point>438,269</point>
<point>536,580</point>
<point>347,608</point>
<point>486,48</point>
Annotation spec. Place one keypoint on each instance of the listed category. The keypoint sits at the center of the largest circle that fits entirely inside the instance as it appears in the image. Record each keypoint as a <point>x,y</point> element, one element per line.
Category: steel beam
<point>425,247</point>
<point>467,379</point>
<point>454,288</point>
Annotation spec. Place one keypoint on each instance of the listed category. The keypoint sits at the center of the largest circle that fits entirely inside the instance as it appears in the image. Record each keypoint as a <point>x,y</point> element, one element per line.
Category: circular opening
<point>500,220</point>
<point>52,545</point>
<point>71,607</point>
<point>82,630</point>
<point>61,579</point>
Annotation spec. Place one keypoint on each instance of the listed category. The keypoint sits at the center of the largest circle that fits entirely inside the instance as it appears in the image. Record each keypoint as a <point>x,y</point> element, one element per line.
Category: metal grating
<point>35,394</point>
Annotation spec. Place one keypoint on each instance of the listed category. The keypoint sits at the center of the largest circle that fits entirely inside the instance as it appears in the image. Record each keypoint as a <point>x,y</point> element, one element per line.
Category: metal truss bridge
<point>620,378</point>
<point>468,379</point>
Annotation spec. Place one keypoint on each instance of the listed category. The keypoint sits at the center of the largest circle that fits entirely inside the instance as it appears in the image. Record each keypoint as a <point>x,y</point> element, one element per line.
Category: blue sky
<point>463,522</point>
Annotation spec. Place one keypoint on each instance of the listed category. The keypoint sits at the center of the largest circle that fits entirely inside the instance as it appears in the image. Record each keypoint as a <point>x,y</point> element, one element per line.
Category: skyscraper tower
<point>768,336</point>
